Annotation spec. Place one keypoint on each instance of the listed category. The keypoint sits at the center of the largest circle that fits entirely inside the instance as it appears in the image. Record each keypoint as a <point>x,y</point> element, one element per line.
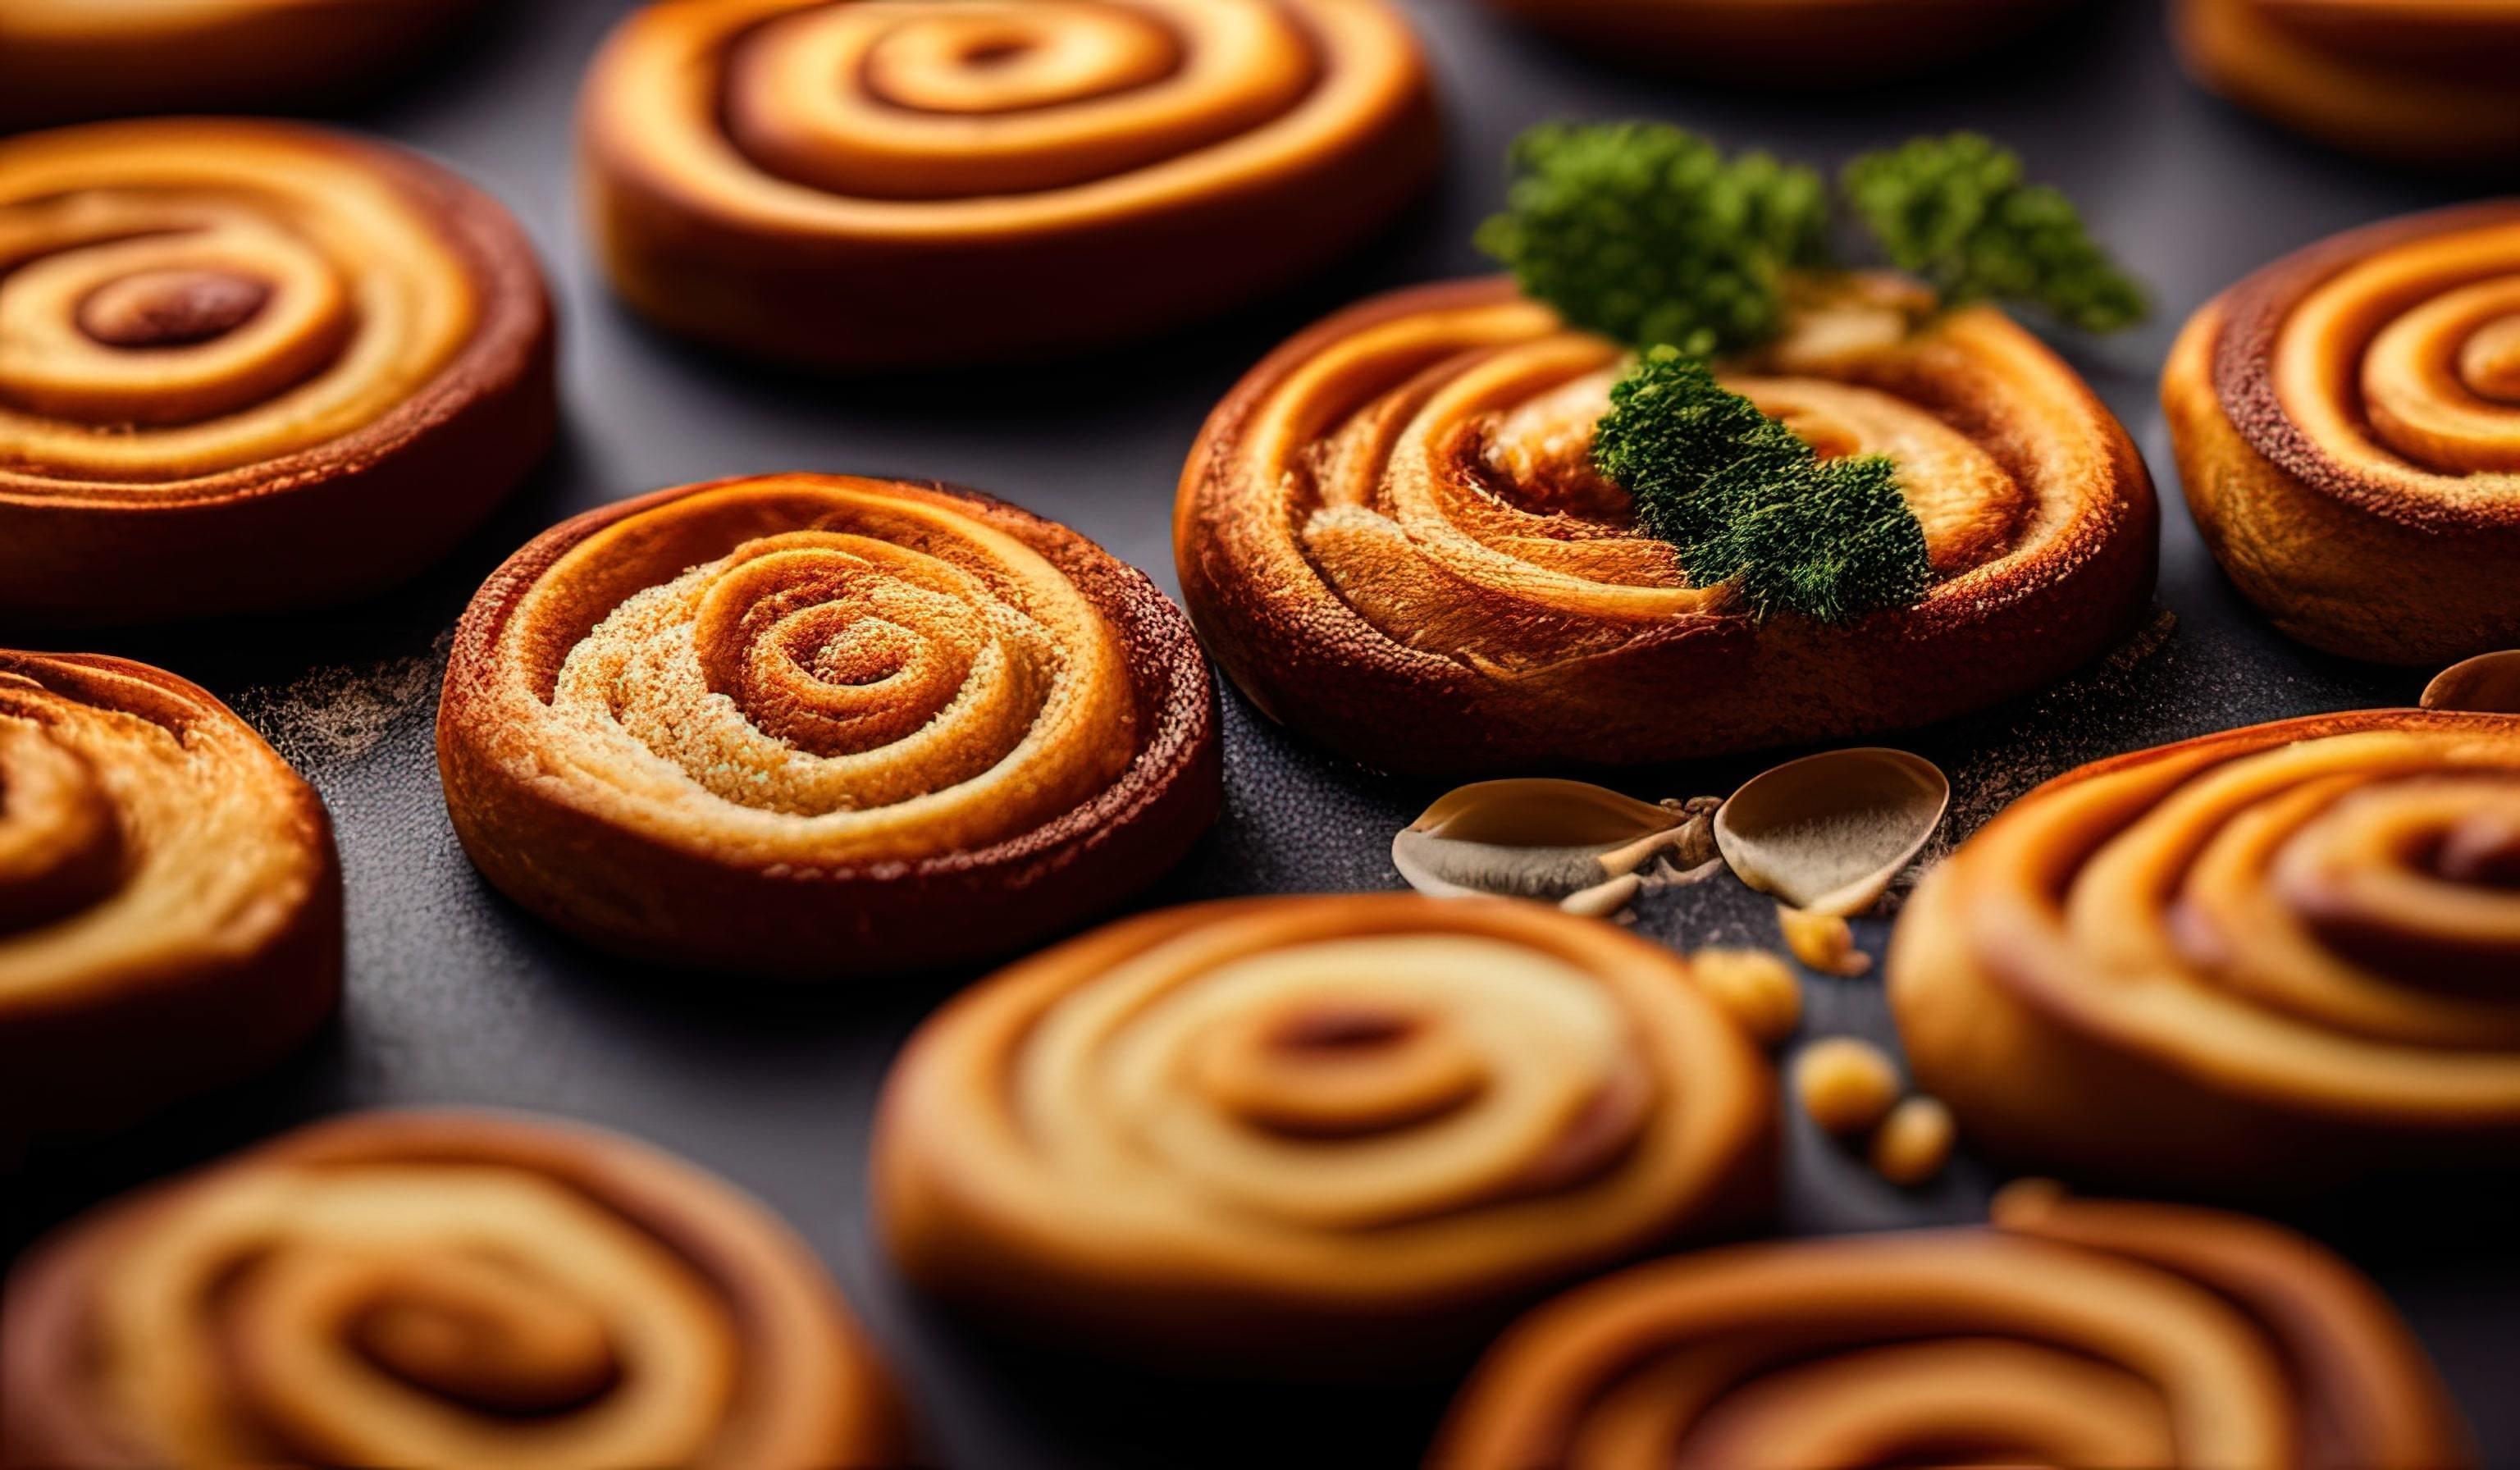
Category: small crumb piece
<point>1823,941</point>
<point>1755,986</point>
<point>2025,1203</point>
<point>1845,1084</point>
<point>1914,1141</point>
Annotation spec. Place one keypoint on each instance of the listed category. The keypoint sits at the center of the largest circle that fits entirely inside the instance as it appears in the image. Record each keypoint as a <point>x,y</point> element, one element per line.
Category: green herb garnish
<point>1646,233</point>
<point>1649,234</point>
<point>1956,213</point>
<point>1748,502</point>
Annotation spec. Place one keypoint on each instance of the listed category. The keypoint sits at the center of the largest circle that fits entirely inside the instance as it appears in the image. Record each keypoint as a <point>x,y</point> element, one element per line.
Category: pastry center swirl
<point>2365,885</point>
<point>1343,1084</point>
<point>897,685</point>
<point>417,1313</point>
<point>171,309</point>
<point>921,100</point>
<point>2409,361</point>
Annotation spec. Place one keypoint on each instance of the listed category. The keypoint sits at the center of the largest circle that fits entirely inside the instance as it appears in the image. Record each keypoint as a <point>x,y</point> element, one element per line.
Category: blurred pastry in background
<point>2347,422</point>
<point>2418,81</point>
<point>2071,1333</point>
<point>923,181</point>
<point>247,366</point>
<point>1315,1135</point>
<point>824,726</point>
<point>2270,957</point>
<point>170,904</point>
<point>1685,484</point>
<point>425,1288</point>
<point>1785,42</point>
<point>67,61</point>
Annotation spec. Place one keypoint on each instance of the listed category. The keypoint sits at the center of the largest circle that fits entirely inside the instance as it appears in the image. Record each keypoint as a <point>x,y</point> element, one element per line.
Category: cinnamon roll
<point>1392,536</point>
<point>398,1288</point>
<point>820,724</point>
<point>879,183</point>
<point>2263,957</point>
<point>250,365</point>
<point>1314,1134</point>
<point>170,904</point>
<point>62,61</point>
<point>1795,42</point>
<point>2072,1333</point>
<point>2423,81</point>
<point>2347,422</point>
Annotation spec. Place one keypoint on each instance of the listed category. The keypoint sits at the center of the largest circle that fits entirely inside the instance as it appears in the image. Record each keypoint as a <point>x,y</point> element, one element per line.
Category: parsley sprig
<point>1748,502</point>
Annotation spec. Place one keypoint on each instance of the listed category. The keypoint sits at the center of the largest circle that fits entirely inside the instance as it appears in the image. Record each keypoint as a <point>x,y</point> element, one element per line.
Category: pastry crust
<point>820,724</point>
<point>250,365</point>
<point>2417,81</point>
<point>1786,42</point>
<point>63,61</point>
<point>2072,1332</point>
<point>2257,959</point>
<point>170,904</point>
<point>1390,535</point>
<point>1315,1135</point>
<point>2347,422</point>
<point>865,185</point>
<point>439,1288</point>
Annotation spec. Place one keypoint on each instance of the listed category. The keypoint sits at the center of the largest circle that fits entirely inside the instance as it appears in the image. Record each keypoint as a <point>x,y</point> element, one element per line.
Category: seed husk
<point>1542,838</point>
<point>2489,683</point>
<point>1828,832</point>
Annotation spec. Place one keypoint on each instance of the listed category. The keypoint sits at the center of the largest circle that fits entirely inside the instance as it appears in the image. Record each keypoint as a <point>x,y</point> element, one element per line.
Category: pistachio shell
<point>1454,869</point>
<point>2489,683</point>
<point>1827,832</point>
<point>1536,811</point>
<point>1538,837</point>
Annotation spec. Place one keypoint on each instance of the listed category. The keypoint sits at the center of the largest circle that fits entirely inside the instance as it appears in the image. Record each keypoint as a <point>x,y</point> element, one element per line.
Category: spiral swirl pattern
<point>816,723</point>
<point>438,1289</point>
<point>2073,1334</point>
<point>1392,536</point>
<point>2424,81</point>
<point>1304,1130</point>
<point>2276,951</point>
<point>62,61</point>
<point>879,181</point>
<point>169,900</point>
<point>1790,42</point>
<point>248,365</point>
<point>2347,422</point>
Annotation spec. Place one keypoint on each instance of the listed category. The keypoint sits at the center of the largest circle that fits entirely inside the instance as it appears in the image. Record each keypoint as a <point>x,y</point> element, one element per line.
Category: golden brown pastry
<point>820,724</point>
<point>1392,535</point>
<point>2424,81</point>
<point>2073,1334</point>
<point>415,1288</point>
<point>2347,422</point>
<point>2274,953</point>
<point>1315,1133</point>
<point>251,365</point>
<point>1797,42</point>
<point>170,905</point>
<point>859,184</point>
<point>65,60</point>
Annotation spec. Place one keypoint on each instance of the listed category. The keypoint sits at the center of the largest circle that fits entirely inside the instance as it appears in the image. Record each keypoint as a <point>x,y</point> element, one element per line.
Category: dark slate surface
<point>457,997</point>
